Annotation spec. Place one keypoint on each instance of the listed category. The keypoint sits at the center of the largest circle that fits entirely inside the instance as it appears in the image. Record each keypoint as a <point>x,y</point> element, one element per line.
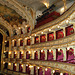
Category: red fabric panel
<point>42,38</point>
<point>59,34</point>
<point>21,42</point>
<point>28,42</point>
<point>15,43</point>
<point>50,37</point>
<point>37,39</point>
<point>69,31</point>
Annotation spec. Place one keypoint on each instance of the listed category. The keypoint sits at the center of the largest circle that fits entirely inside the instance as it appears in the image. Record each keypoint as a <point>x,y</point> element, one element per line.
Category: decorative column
<point>43,71</point>
<point>54,54</point>
<point>64,5</point>
<point>74,52</point>
<point>25,42</point>
<point>24,68</point>
<point>25,54</point>
<point>64,31</point>
<point>17,67</point>
<point>18,42</point>
<point>54,35</point>
<point>45,54</point>
<point>46,36</point>
<point>18,54</point>
<point>12,54</point>
<point>31,70</point>
<point>32,40</point>
<point>74,27</point>
<point>39,38</point>
<point>11,66</point>
<point>32,53</point>
<point>64,52</point>
<point>39,54</point>
<point>25,29</point>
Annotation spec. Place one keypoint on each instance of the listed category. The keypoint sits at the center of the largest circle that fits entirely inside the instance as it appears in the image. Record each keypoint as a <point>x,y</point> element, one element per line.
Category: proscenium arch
<point>3,47</point>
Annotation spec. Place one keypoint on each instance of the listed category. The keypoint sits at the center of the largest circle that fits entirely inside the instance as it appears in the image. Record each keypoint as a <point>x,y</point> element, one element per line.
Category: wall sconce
<point>22,65</point>
<point>68,48</point>
<point>34,51</point>
<point>49,50</point>
<point>38,67</point>
<point>29,52</point>
<point>41,32</point>
<point>35,34</point>
<point>53,71</point>
<point>15,52</point>
<point>9,63</point>
<point>58,49</point>
<point>26,64</point>
<point>9,52</point>
<point>3,62</point>
<point>15,64</point>
<point>46,69</point>
<point>41,50</point>
<point>22,52</point>
<point>61,73</point>
<point>49,29</point>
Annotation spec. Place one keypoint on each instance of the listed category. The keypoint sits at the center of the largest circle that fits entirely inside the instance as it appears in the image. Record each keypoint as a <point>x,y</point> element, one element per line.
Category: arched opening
<point>1,39</point>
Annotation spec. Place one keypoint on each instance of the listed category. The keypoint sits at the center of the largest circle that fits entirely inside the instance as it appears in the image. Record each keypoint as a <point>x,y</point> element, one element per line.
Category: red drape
<point>28,42</point>
<point>59,34</point>
<point>21,42</point>
<point>69,30</point>
<point>50,36</point>
<point>42,38</point>
<point>37,39</point>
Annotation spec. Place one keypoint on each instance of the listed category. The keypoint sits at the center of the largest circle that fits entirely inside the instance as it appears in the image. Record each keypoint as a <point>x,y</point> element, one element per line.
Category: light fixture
<point>30,66</point>
<point>15,52</point>
<point>61,73</point>
<point>9,52</point>
<point>46,4</point>
<point>9,63</point>
<point>19,28</point>
<point>49,29</point>
<point>12,40</point>
<point>53,71</point>
<point>4,51</point>
<point>30,36</point>
<point>5,40</point>
<point>41,32</point>
<point>58,49</point>
<point>62,10</point>
<point>3,62</point>
<point>26,64</point>
<point>35,34</point>
<point>38,67</point>
<point>19,39</point>
<point>41,50</point>
<point>22,65</point>
<point>15,64</point>
<point>68,48</point>
<point>21,52</point>
<point>58,26</point>
<point>29,52</point>
<point>46,69</point>
<point>34,51</point>
<point>67,21</point>
<point>50,50</point>
<point>26,38</point>
<point>25,26</point>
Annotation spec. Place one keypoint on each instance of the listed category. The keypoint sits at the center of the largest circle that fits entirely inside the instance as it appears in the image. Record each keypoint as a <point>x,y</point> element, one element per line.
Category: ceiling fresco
<point>10,15</point>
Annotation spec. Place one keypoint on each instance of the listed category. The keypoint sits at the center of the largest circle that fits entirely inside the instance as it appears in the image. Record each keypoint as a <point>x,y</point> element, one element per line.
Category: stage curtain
<point>42,38</point>
<point>37,39</point>
<point>59,34</point>
<point>50,36</point>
